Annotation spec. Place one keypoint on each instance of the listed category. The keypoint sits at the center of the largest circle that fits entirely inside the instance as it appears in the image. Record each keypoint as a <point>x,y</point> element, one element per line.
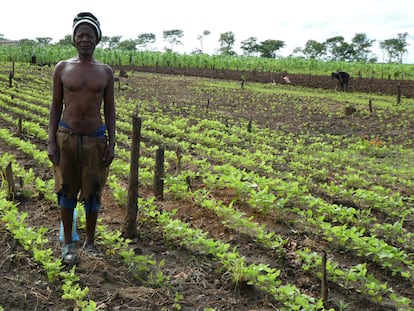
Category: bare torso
<point>83,90</point>
<point>82,87</point>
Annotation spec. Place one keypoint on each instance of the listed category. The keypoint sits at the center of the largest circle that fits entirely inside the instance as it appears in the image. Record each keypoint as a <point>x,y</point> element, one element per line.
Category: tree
<point>361,47</point>
<point>332,46</point>
<point>67,40</point>
<point>250,46</point>
<point>43,40</point>
<point>402,45</point>
<point>227,40</point>
<point>173,38</point>
<point>145,39</point>
<point>129,45</point>
<point>396,47</point>
<point>27,42</point>
<point>388,46</point>
<point>314,50</point>
<point>201,37</point>
<point>338,49</point>
<point>114,42</point>
<point>104,41</point>
<point>268,48</point>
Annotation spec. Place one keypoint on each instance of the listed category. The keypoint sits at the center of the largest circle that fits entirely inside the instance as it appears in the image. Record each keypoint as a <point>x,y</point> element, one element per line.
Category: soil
<point>195,276</point>
<point>357,84</point>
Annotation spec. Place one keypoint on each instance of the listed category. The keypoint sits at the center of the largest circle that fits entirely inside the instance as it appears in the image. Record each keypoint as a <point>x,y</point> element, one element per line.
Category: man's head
<point>89,19</point>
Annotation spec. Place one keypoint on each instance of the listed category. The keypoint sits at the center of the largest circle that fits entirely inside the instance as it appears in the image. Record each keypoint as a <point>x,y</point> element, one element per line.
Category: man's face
<point>85,39</point>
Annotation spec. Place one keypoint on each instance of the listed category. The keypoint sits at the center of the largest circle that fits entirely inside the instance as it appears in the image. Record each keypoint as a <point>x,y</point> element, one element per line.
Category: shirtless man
<point>81,144</point>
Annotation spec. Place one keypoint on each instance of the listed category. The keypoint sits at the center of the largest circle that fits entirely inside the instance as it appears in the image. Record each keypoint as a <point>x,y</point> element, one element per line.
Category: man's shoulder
<point>97,62</point>
<point>108,69</point>
<point>65,62</point>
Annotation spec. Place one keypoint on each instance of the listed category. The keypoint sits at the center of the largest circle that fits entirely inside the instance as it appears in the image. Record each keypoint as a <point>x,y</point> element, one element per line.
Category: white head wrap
<point>87,18</point>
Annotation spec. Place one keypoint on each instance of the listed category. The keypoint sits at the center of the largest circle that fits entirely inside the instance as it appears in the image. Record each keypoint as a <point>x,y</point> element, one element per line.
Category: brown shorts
<point>80,165</point>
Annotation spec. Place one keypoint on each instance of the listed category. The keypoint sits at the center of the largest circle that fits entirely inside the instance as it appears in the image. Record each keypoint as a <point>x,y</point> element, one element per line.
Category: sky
<point>292,21</point>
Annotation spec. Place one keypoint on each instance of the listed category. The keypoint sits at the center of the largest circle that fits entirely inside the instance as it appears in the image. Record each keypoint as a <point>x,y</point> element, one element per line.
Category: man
<point>342,78</point>
<point>81,146</point>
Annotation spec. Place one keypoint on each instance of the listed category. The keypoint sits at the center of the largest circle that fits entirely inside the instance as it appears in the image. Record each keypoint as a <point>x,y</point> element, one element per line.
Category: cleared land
<point>292,111</point>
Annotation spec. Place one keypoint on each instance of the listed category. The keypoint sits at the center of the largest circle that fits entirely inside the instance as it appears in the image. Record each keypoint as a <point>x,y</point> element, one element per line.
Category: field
<point>261,182</point>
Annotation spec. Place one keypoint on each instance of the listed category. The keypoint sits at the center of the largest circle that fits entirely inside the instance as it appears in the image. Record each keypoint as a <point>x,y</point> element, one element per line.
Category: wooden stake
<point>179,155</point>
<point>130,223</point>
<point>324,294</point>
<point>19,126</point>
<point>398,93</point>
<point>159,174</point>
<point>249,125</point>
<point>10,181</point>
<point>10,79</point>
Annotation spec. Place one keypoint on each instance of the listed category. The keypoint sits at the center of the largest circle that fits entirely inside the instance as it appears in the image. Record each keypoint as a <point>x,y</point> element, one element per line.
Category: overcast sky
<point>291,21</point>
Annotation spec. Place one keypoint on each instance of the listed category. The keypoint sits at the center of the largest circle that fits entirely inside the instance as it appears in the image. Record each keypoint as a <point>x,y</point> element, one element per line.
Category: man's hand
<point>53,153</point>
<point>109,155</point>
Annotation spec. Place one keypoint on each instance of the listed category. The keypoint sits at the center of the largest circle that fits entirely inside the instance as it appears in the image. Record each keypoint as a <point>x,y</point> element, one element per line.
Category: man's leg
<point>67,220</point>
<point>92,207</point>
<point>67,207</point>
<point>69,253</point>
<point>94,176</point>
<point>91,219</point>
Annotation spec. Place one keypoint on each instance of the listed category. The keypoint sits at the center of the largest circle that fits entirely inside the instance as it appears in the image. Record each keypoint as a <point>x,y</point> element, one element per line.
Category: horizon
<point>293,22</point>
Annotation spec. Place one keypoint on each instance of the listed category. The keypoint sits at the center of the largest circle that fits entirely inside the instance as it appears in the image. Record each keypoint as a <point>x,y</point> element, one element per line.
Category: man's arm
<point>56,108</point>
<point>109,115</point>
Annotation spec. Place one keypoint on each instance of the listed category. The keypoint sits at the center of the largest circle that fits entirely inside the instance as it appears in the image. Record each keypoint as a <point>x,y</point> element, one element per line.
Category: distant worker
<point>286,78</point>
<point>342,78</point>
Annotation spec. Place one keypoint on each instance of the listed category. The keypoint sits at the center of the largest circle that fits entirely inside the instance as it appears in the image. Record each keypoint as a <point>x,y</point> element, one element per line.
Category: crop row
<point>258,184</point>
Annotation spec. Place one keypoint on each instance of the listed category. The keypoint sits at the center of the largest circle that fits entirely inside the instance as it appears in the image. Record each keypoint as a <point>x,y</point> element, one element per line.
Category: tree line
<point>332,49</point>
